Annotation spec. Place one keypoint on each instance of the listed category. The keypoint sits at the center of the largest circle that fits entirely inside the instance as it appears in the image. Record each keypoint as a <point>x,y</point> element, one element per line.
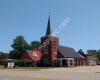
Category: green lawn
<point>27,68</point>
<point>1,66</point>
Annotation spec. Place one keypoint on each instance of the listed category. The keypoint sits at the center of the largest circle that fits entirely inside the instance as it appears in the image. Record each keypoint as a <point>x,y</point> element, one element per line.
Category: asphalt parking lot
<point>78,73</point>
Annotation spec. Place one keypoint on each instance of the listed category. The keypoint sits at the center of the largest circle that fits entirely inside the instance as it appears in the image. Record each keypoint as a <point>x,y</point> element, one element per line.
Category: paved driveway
<point>80,73</point>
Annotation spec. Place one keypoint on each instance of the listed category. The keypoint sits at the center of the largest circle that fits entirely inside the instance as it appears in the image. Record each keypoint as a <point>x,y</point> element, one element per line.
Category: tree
<point>4,55</point>
<point>81,52</point>
<point>92,52</point>
<point>95,53</point>
<point>35,44</point>
<point>14,54</point>
<point>98,54</point>
<point>19,47</point>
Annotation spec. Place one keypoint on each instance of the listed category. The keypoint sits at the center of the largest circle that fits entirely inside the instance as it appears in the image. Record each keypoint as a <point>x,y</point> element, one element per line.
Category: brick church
<point>56,55</point>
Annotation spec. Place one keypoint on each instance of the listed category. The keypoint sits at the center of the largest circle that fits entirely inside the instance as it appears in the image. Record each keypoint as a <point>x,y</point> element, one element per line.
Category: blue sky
<point>29,19</point>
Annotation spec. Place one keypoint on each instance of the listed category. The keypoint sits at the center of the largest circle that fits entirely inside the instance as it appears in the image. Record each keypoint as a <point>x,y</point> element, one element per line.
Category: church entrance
<point>64,62</point>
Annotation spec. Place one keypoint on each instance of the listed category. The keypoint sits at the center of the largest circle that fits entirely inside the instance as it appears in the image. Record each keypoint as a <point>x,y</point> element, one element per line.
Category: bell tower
<point>51,45</point>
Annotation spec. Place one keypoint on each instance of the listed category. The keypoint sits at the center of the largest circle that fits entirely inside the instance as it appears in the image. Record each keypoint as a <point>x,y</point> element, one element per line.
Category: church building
<point>57,55</point>
<point>53,54</point>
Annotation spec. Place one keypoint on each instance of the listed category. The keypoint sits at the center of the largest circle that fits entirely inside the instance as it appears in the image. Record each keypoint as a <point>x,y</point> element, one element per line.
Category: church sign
<point>10,64</point>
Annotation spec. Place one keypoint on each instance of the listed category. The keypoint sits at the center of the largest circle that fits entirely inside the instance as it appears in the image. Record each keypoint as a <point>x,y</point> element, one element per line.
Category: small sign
<point>10,64</point>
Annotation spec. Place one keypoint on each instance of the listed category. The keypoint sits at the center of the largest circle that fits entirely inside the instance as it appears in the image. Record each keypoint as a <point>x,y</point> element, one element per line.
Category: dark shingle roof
<point>80,55</point>
<point>29,51</point>
<point>68,52</point>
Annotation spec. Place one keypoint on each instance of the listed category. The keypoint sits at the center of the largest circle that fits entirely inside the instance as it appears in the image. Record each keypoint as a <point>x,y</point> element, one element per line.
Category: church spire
<point>48,31</point>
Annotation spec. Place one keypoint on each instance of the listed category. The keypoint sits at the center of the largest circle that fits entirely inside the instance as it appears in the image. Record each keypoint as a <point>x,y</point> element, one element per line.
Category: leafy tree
<point>14,54</point>
<point>92,52</point>
<point>34,44</point>
<point>19,47</point>
<point>95,53</point>
<point>98,54</point>
<point>4,55</point>
<point>81,52</point>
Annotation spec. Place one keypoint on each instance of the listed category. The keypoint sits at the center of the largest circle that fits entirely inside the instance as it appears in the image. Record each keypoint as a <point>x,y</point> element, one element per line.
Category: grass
<point>27,68</point>
<point>1,66</point>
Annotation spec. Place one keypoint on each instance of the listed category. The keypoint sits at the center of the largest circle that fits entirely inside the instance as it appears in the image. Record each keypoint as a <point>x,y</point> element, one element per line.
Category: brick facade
<point>50,50</point>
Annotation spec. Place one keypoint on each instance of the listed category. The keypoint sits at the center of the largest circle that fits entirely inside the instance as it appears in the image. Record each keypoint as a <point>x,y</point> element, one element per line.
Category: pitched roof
<point>68,52</point>
<point>81,56</point>
<point>29,51</point>
<point>34,57</point>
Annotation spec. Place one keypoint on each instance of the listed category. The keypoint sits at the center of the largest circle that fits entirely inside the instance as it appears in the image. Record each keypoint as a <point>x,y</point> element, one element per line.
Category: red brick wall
<point>25,56</point>
<point>52,47</point>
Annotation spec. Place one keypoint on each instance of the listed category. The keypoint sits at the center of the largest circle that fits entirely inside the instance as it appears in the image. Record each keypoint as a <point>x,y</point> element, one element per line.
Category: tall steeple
<point>51,46</point>
<point>48,31</point>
